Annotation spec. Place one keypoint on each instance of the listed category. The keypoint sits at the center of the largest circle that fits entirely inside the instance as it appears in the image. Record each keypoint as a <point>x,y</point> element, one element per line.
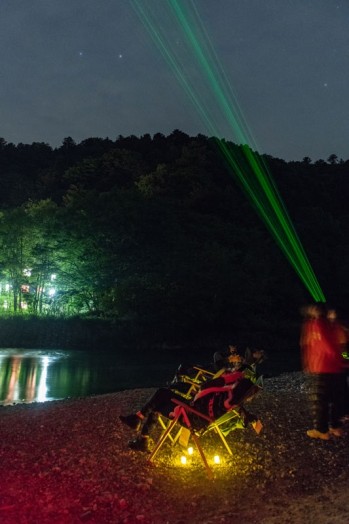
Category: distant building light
<point>25,288</point>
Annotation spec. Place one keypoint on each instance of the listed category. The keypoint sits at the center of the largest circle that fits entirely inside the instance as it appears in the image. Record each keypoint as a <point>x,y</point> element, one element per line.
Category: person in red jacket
<point>323,362</point>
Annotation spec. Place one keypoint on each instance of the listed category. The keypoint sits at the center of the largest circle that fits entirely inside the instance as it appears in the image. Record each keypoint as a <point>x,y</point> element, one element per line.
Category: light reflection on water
<point>38,375</point>
<point>42,375</point>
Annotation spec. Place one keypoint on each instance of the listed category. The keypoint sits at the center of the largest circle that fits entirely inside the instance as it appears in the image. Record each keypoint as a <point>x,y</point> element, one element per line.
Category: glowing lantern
<point>216,459</point>
<point>190,451</point>
<point>183,459</point>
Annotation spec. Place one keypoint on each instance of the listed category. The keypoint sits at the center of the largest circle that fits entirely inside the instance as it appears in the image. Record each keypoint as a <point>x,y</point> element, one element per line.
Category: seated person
<point>232,358</point>
<point>188,379</point>
<point>215,398</point>
<point>223,359</point>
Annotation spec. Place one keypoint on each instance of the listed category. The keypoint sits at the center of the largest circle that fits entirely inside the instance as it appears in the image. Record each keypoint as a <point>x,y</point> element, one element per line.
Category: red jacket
<point>321,348</point>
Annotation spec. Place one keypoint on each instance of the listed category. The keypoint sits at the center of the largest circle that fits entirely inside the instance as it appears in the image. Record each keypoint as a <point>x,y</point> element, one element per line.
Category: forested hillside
<point>155,234</point>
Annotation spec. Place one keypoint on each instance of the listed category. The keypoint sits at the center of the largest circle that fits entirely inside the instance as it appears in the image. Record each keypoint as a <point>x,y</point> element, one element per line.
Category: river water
<point>42,375</point>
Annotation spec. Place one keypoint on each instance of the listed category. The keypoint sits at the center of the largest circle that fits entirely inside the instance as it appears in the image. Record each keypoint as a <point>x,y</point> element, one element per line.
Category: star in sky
<point>272,53</point>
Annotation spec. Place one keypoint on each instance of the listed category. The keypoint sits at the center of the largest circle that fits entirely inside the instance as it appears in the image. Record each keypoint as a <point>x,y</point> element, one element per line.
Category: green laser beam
<point>248,167</point>
<point>278,236</point>
<point>302,270</point>
<point>268,188</point>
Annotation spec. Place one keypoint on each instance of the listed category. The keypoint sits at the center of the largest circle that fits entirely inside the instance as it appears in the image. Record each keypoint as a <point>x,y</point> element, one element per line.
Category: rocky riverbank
<point>66,462</point>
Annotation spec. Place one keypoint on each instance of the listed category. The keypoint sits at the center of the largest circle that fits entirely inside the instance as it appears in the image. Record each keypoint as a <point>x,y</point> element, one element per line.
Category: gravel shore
<point>67,462</point>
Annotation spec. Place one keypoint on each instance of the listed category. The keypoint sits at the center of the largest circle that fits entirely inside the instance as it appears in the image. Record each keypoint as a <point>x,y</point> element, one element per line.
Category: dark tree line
<point>155,234</point>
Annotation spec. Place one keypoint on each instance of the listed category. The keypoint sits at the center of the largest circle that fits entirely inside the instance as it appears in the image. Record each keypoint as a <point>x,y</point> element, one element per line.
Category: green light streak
<point>248,167</point>
<point>291,249</point>
<point>160,41</point>
<point>212,78</point>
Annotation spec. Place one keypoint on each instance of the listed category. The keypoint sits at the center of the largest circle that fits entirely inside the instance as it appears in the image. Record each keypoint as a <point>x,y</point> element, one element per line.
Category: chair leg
<point>165,426</point>
<point>202,455</point>
<point>223,439</point>
<point>167,433</point>
<point>197,443</point>
<point>162,439</point>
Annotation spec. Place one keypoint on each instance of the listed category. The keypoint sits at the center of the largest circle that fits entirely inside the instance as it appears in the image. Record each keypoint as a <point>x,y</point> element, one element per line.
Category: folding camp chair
<point>182,417</point>
<point>195,381</point>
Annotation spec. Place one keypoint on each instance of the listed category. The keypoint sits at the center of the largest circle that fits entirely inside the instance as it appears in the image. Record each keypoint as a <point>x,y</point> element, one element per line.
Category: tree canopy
<point>155,233</point>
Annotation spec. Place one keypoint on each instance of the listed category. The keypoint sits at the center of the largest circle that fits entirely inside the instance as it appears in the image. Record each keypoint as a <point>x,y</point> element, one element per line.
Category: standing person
<point>341,333</point>
<point>322,361</point>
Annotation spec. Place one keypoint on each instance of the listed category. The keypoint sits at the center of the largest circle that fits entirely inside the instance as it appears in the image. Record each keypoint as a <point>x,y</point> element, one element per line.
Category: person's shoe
<point>139,444</point>
<point>314,433</point>
<point>336,432</point>
<point>132,421</point>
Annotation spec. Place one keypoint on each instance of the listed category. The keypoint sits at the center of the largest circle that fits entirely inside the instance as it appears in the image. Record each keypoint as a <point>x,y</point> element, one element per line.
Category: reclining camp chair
<point>195,377</point>
<point>183,415</point>
<point>198,376</point>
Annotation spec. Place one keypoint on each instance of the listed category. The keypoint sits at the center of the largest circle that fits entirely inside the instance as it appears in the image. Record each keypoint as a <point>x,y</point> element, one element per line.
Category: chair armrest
<point>189,409</point>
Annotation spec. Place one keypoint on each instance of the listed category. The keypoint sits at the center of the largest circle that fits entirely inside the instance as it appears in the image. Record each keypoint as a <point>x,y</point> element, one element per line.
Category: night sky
<point>88,68</point>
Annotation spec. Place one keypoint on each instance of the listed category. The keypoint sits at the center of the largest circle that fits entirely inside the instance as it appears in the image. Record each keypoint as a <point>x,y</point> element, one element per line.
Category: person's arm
<point>214,383</point>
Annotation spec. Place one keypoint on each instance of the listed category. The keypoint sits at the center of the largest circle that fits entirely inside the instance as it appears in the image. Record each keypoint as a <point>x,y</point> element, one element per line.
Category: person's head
<point>235,360</point>
<point>331,314</point>
<point>258,355</point>
<point>232,348</point>
<point>314,311</point>
<point>254,356</point>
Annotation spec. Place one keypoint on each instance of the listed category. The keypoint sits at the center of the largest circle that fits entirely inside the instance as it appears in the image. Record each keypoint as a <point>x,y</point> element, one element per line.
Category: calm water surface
<point>42,375</point>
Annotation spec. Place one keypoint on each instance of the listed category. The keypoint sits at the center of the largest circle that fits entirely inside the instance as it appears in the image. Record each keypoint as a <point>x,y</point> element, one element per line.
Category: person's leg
<point>337,383</point>
<point>160,402</point>
<point>141,442</point>
<point>156,402</point>
<point>319,406</point>
<point>346,394</point>
<point>149,423</point>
